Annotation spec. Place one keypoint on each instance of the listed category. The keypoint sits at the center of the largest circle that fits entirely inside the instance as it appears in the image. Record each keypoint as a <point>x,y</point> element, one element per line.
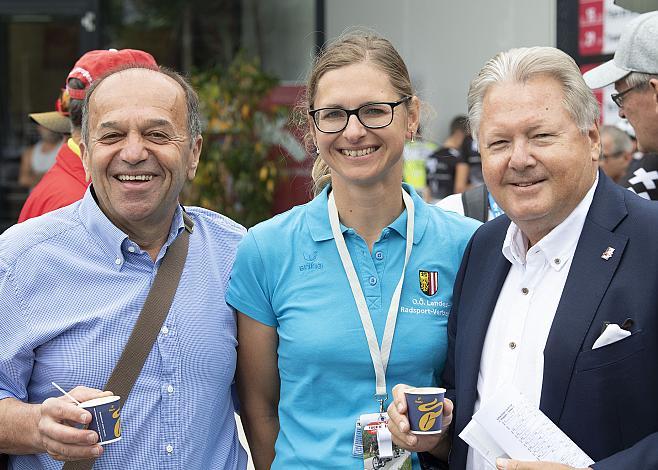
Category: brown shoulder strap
<point>155,310</point>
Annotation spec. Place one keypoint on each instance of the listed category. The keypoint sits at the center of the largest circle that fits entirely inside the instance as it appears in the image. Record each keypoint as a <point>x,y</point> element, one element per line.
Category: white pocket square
<point>611,334</point>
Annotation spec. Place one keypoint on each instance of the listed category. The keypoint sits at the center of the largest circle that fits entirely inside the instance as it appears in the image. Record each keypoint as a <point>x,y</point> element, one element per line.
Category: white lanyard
<point>379,356</point>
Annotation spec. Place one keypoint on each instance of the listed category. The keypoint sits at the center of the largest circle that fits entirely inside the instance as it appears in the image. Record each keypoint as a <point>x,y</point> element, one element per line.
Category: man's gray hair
<point>621,142</point>
<point>523,64</point>
<point>638,79</point>
<point>191,100</point>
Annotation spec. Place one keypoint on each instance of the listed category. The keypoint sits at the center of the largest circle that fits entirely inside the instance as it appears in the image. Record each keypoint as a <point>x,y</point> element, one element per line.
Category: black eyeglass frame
<point>618,98</point>
<point>612,156</point>
<point>355,112</point>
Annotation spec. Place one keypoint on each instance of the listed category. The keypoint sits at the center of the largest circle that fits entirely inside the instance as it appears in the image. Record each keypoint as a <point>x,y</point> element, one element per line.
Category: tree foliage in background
<point>235,175</point>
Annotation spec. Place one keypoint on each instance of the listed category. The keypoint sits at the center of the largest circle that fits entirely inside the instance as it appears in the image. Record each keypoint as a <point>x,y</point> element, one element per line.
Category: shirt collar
<point>75,148</point>
<point>317,217</point>
<point>113,240</point>
<point>559,245</point>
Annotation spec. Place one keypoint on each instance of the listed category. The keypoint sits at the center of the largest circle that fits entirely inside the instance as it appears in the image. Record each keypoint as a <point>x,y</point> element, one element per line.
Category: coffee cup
<point>105,418</point>
<point>425,409</point>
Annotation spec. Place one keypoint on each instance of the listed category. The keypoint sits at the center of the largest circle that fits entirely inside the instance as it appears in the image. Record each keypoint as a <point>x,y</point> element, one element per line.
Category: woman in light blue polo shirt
<point>341,298</point>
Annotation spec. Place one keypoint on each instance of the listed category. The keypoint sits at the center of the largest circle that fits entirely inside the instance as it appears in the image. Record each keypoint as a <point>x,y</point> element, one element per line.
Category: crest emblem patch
<point>429,282</point>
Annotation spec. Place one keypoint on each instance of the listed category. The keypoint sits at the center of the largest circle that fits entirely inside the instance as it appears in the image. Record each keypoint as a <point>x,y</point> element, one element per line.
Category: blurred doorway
<point>39,42</point>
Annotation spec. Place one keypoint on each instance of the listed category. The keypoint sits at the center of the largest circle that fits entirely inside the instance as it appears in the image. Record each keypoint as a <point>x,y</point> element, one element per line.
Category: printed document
<point>509,426</point>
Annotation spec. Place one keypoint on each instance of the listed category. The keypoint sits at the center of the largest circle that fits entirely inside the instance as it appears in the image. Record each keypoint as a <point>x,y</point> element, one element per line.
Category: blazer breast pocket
<point>611,354</point>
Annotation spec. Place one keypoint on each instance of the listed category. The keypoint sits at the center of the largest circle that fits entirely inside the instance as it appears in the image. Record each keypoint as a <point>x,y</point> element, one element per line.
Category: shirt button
<point>512,345</point>
<point>373,280</point>
<point>164,330</point>
<point>556,260</point>
<point>117,261</point>
<point>170,388</point>
<point>525,291</point>
<point>169,448</point>
<point>131,249</point>
<point>379,255</point>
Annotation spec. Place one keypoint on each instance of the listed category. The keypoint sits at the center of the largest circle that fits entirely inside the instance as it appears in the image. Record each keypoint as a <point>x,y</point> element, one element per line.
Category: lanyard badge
<point>372,440</point>
<point>376,444</point>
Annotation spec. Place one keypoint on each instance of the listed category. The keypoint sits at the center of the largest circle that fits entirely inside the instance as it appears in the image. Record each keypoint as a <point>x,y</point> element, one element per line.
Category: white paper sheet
<point>510,424</point>
<point>479,439</point>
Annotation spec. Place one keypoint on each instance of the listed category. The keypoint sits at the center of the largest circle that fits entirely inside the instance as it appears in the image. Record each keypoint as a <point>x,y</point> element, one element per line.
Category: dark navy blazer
<point>606,399</point>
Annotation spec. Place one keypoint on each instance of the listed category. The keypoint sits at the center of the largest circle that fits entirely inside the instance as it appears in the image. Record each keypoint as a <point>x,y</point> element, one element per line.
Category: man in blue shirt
<point>72,284</point>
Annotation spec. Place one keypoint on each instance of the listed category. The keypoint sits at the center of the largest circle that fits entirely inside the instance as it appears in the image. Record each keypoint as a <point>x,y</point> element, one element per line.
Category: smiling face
<point>139,153</point>
<point>536,162</point>
<point>358,155</point>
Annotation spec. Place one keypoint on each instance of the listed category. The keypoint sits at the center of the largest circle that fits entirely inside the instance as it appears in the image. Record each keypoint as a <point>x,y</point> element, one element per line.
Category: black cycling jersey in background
<point>472,157</point>
<point>440,169</point>
<point>643,177</point>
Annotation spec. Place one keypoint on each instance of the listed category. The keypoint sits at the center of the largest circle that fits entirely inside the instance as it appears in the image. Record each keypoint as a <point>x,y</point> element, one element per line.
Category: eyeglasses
<point>618,98</point>
<point>611,156</point>
<point>371,115</point>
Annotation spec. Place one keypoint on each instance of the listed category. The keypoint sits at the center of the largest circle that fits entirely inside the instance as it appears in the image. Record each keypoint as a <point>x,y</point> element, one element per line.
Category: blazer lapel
<point>588,279</point>
<point>491,271</point>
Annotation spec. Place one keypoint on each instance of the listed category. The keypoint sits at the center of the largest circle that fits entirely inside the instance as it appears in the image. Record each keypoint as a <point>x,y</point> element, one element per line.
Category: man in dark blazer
<point>534,293</point>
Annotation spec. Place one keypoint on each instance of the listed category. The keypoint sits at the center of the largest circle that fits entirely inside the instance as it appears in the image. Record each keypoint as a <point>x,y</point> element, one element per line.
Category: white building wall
<point>445,42</point>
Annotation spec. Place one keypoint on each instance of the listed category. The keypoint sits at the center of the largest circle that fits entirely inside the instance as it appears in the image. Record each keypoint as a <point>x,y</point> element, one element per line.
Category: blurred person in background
<point>326,291</point>
<point>415,155</point>
<point>476,202</point>
<point>65,182</point>
<point>616,153</point>
<point>636,161</point>
<point>37,159</point>
<point>471,156</point>
<point>447,170</point>
<point>634,72</point>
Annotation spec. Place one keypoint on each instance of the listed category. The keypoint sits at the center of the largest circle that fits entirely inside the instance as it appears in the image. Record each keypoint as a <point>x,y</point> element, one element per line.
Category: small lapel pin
<point>607,254</point>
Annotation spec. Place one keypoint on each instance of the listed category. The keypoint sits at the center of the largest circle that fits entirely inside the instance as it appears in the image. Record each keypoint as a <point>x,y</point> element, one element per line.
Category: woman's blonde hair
<point>349,49</point>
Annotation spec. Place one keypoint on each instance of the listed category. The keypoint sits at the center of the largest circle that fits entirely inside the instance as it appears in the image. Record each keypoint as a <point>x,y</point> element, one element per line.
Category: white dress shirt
<point>513,350</point>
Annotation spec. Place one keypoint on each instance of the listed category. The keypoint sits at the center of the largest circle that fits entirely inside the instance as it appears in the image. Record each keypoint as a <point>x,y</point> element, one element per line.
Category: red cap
<point>94,64</point>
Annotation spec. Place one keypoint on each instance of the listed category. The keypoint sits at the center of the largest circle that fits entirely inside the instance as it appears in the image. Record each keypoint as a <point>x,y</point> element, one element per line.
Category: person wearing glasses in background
<point>307,353</point>
<point>634,72</point>
<point>616,154</point>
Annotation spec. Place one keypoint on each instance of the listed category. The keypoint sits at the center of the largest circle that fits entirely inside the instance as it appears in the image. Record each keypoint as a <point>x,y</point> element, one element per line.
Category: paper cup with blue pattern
<point>425,409</point>
<point>105,418</point>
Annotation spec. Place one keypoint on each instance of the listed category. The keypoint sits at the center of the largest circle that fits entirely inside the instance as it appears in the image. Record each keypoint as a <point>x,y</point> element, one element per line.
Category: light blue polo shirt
<point>288,275</point>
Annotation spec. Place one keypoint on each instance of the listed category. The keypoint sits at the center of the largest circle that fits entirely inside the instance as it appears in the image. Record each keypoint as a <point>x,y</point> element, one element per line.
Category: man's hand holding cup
<point>60,422</point>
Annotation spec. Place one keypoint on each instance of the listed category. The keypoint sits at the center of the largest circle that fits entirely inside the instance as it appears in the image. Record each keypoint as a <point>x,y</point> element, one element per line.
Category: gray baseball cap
<point>637,52</point>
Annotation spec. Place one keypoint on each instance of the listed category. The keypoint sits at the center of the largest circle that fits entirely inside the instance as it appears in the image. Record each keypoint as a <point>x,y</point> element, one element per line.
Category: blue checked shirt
<point>71,288</point>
